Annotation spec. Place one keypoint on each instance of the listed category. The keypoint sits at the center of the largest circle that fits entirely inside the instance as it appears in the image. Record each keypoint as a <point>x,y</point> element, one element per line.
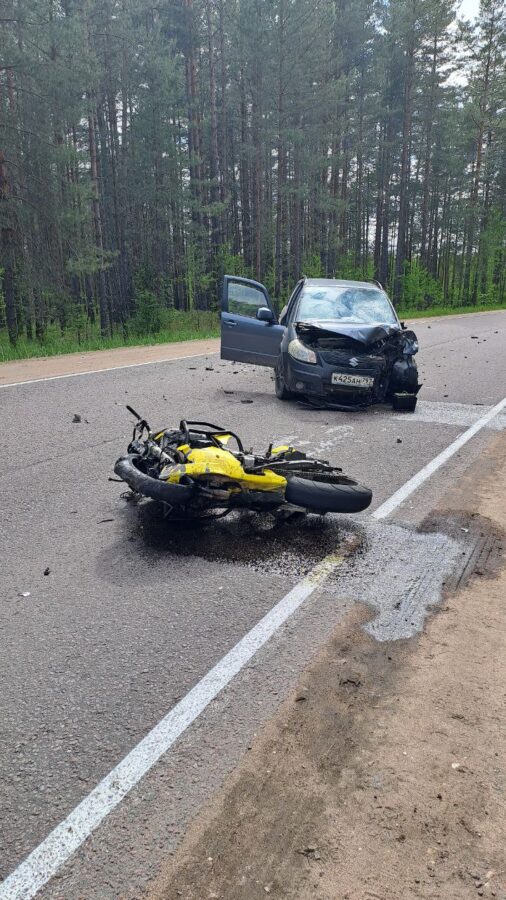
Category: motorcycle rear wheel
<point>325,496</point>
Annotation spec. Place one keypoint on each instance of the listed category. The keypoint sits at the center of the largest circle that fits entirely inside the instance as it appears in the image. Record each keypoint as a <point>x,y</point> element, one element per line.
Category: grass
<point>181,327</point>
<point>446,311</point>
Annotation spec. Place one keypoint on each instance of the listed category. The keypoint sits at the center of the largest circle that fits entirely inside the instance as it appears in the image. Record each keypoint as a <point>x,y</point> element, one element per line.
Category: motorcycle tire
<point>173,494</point>
<point>324,497</point>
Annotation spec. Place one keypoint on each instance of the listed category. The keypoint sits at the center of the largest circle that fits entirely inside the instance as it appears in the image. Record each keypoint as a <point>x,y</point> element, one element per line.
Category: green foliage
<point>229,263</point>
<point>420,289</point>
<point>2,301</point>
<point>177,326</point>
<point>148,316</point>
<point>312,266</point>
<point>151,151</point>
<point>268,280</point>
<point>448,310</point>
<point>348,268</point>
<point>91,261</point>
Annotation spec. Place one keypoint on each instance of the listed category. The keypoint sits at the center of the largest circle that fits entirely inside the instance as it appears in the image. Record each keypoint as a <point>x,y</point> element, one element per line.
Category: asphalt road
<point>132,614</point>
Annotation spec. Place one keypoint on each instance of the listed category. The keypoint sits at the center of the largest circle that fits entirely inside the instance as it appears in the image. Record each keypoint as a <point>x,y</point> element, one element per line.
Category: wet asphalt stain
<point>262,542</point>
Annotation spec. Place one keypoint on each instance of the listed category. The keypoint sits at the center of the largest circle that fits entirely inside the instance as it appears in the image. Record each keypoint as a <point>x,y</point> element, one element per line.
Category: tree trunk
<point>214,163</point>
<point>279,256</point>
<point>401,252</point>
<point>7,255</point>
<point>105,325</point>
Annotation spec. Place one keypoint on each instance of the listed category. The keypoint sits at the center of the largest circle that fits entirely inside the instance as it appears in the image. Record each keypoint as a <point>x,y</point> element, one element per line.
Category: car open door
<point>249,329</point>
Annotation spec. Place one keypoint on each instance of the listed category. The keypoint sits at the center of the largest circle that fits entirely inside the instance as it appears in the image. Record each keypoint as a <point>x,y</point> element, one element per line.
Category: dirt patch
<point>383,774</point>
<point>481,542</point>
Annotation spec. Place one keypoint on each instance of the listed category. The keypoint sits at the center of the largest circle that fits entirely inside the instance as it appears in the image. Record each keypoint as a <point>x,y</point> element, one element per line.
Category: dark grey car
<point>337,343</point>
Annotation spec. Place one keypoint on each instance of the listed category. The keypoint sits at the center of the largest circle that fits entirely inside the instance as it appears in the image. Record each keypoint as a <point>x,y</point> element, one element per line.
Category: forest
<point>148,148</point>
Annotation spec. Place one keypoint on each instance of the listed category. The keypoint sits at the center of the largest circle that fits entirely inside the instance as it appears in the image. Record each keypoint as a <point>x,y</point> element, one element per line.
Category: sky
<point>469,9</point>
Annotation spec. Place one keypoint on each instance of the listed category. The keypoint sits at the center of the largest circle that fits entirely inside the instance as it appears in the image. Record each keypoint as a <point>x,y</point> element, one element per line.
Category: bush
<point>148,315</point>
<point>312,266</point>
<point>420,290</point>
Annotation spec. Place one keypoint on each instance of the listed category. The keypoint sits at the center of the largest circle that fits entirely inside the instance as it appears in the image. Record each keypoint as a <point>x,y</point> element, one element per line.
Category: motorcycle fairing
<point>212,462</point>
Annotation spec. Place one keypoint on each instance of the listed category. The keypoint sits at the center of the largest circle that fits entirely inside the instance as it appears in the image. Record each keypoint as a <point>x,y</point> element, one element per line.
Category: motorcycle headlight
<point>299,351</point>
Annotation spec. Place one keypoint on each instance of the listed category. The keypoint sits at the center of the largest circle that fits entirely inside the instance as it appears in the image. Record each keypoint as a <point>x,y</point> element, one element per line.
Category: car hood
<point>365,334</point>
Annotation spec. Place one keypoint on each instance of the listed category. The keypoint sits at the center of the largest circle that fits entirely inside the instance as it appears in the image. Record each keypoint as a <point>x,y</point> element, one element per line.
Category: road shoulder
<point>383,774</point>
<point>36,368</point>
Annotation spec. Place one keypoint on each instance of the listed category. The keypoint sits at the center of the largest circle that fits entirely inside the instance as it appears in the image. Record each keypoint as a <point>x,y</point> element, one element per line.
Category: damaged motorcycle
<point>202,471</point>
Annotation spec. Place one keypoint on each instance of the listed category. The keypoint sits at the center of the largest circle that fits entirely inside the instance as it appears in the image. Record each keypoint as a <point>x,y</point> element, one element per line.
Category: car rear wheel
<point>282,392</point>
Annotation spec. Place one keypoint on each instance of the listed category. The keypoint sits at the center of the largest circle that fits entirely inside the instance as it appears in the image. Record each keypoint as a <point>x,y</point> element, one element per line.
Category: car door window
<point>245,299</point>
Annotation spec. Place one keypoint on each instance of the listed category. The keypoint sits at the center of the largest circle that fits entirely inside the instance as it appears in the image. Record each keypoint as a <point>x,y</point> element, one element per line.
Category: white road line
<point>151,362</point>
<point>414,483</point>
<point>459,415</point>
<point>65,839</point>
<point>40,866</point>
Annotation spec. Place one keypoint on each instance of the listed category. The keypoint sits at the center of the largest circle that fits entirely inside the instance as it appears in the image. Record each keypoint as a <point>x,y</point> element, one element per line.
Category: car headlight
<point>411,348</point>
<point>299,351</point>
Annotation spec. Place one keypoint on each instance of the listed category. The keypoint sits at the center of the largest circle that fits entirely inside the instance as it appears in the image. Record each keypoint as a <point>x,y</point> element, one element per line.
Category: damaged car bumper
<point>350,373</point>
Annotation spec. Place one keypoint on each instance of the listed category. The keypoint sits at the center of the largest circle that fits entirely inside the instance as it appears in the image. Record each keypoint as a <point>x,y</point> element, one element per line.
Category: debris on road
<point>302,695</point>
<point>76,418</point>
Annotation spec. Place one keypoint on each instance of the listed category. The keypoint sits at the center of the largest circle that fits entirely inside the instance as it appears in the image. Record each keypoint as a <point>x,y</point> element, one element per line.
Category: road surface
<point>132,615</point>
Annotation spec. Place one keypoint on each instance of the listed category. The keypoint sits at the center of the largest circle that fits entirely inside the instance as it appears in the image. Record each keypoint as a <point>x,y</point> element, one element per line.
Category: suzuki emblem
<point>353,361</point>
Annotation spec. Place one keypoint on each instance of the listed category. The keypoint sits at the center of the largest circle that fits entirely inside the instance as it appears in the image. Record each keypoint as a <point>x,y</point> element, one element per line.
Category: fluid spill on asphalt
<point>403,577</point>
<point>400,573</point>
<point>261,542</point>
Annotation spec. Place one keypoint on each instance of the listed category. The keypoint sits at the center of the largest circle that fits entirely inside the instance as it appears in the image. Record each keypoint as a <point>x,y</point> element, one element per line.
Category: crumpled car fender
<point>404,376</point>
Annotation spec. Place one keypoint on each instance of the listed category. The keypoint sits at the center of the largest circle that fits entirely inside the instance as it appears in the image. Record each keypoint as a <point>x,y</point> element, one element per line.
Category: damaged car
<point>336,344</point>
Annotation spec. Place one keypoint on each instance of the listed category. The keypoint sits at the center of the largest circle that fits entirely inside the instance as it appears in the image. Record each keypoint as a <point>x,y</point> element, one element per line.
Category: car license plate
<point>363,381</point>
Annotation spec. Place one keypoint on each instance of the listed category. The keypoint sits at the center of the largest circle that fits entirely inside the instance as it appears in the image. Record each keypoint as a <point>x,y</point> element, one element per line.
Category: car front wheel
<point>282,392</point>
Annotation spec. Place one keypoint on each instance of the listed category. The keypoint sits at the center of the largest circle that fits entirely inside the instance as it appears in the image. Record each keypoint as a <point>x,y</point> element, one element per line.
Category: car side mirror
<point>264,314</point>
<point>403,325</point>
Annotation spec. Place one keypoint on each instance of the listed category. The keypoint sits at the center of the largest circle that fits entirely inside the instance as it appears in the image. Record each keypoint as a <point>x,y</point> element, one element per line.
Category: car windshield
<point>345,304</point>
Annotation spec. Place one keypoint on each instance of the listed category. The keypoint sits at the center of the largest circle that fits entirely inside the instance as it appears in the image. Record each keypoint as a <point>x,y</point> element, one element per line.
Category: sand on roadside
<point>383,775</point>
<point>20,370</point>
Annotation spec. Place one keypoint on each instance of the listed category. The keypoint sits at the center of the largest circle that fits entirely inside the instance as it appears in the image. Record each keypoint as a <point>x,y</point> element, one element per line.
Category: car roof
<point>342,282</point>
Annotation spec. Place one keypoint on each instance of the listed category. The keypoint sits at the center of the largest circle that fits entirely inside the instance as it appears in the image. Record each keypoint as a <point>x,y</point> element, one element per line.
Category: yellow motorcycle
<point>200,470</point>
